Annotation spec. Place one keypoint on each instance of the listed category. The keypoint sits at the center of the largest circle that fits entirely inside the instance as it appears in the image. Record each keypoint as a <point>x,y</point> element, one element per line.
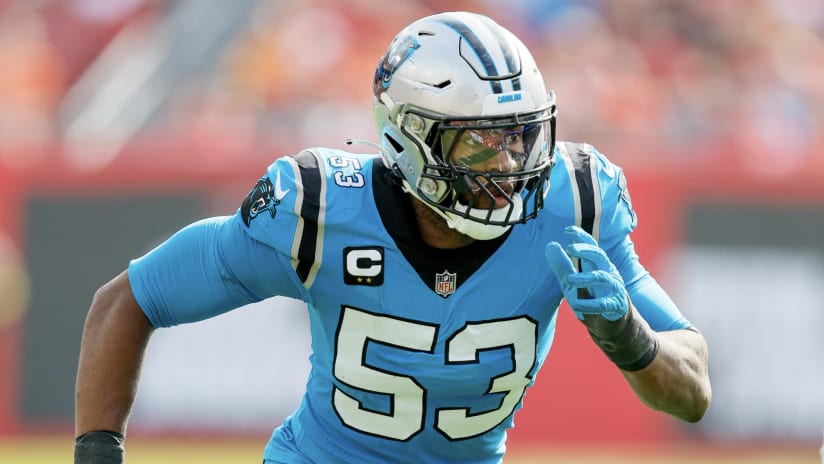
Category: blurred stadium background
<point>121,121</point>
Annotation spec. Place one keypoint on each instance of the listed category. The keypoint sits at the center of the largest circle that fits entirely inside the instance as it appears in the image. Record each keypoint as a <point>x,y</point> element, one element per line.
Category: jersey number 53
<point>406,413</point>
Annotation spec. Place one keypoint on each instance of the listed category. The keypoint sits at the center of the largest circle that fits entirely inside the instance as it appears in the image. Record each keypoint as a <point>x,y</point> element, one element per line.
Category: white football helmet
<point>465,121</point>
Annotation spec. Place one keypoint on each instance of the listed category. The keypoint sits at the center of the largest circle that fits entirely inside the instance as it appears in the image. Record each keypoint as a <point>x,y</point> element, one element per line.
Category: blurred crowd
<point>646,81</point>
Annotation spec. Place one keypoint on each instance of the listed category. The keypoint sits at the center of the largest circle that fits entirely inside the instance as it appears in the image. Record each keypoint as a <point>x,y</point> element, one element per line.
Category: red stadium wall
<point>579,397</point>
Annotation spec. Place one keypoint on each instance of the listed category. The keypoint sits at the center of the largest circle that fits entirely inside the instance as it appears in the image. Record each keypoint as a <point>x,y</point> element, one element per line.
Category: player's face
<point>492,152</point>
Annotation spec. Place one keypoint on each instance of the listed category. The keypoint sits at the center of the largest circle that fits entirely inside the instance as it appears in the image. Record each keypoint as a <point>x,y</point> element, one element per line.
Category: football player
<point>432,271</point>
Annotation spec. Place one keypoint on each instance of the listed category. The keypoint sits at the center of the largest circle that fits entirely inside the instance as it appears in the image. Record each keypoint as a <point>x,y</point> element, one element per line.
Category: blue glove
<point>604,294</point>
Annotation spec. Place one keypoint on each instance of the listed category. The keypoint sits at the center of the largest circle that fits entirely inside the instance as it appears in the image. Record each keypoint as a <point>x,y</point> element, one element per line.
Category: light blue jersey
<point>418,354</point>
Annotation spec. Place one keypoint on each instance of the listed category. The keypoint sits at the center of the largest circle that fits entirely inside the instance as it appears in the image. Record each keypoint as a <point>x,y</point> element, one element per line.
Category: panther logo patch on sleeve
<point>261,198</point>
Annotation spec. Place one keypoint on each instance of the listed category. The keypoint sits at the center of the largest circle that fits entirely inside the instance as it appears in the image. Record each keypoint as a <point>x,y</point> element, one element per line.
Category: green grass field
<point>219,451</point>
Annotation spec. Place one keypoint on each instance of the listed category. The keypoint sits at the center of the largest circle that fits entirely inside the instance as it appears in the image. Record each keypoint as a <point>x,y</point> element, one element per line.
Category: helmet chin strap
<point>468,227</point>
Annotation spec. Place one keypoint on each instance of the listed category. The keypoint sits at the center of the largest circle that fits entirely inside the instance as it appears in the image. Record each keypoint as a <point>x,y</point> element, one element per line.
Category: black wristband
<point>99,447</point>
<point>629,342</point>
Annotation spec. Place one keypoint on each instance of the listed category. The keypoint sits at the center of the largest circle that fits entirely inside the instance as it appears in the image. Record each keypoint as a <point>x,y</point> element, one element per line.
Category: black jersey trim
<point>582,164</point>
<point>582,167</point>
<point>309,210</point>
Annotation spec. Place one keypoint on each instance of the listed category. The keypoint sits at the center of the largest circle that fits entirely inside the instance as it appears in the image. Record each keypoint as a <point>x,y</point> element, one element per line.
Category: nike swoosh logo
<point>279,193</point>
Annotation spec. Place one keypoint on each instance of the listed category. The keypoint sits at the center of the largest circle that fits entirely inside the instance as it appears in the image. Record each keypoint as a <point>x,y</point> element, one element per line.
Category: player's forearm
<point>677,381</point>
<point>111,351</point>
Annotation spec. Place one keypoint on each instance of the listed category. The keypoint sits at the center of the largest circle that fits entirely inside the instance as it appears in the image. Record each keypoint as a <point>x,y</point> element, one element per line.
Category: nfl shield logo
<point>445,283</point>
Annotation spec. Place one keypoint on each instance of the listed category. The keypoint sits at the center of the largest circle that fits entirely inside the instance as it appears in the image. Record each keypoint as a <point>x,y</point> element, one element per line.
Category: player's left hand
<point>605,294</point>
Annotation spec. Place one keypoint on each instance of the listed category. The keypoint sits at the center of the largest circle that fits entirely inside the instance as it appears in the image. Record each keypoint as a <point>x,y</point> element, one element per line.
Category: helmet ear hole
<point>396,146</point>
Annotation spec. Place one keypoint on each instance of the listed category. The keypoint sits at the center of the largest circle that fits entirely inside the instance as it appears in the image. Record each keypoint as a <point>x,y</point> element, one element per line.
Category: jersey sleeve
<point>617,218</point>
<point>616,222</point>
<point>221,263</point>
<point>649,298</point>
